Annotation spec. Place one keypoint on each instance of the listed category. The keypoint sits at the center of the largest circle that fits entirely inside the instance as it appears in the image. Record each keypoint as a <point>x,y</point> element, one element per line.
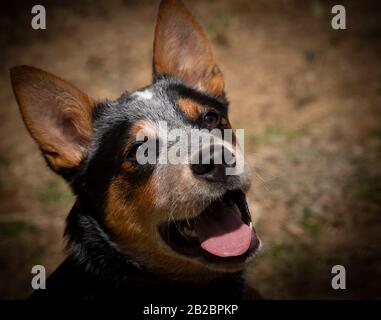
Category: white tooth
<point>251,225</point>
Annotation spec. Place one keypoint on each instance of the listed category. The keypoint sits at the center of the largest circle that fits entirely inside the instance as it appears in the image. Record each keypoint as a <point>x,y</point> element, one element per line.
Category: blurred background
<point>308,97</point>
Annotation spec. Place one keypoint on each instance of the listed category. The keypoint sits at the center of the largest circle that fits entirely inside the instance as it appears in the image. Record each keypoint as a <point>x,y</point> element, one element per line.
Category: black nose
<point>212,165</point>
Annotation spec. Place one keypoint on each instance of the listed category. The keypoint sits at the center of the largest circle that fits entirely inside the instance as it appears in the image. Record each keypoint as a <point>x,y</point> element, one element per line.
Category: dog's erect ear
<point>181,49</point>
<point>57,115</point>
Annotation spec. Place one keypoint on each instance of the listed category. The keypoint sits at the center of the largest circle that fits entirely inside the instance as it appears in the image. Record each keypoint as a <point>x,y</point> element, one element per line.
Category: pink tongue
<point>223,233</point>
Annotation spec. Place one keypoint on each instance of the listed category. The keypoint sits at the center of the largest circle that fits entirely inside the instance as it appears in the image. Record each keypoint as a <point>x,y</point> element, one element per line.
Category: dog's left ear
<point>57,114</point>
<point>182,50</point>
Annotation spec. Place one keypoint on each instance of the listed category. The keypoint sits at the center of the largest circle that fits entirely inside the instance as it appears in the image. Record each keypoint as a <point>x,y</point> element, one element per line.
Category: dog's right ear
<point>182,49</point>
<point>57,115</point>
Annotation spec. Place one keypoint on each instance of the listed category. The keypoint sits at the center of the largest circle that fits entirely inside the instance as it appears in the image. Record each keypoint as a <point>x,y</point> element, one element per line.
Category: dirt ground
<point>308,97</point>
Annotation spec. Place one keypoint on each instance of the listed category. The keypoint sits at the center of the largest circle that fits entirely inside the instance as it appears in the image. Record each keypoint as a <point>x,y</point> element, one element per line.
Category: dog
<point>152,230</point>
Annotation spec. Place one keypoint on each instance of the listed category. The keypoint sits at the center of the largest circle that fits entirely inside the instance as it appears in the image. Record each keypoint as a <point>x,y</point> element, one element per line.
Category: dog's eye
<point>131,155</point>
<point>211,119</point>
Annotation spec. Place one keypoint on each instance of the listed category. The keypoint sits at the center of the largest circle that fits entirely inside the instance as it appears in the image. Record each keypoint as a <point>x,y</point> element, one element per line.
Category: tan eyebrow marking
<point>140,126</point>
<point>192,109</point>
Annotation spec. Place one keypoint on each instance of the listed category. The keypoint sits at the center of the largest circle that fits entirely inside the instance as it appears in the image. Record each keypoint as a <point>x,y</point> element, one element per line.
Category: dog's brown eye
<point>211,119</point>
<point>131,155</point>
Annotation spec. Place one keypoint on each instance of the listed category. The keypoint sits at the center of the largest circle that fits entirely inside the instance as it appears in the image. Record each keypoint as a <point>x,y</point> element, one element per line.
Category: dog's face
<point>184,220</point>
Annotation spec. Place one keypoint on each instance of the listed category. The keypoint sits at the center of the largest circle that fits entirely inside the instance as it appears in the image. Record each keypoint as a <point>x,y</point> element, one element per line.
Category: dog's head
<point>183,219</point>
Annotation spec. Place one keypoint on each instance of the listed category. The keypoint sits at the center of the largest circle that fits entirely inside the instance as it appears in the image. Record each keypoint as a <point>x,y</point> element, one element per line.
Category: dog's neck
<point>90,247</point>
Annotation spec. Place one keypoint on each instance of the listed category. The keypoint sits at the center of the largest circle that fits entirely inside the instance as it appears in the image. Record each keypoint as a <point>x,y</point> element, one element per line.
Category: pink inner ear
<point>56,113</point>
<point>181,49</point>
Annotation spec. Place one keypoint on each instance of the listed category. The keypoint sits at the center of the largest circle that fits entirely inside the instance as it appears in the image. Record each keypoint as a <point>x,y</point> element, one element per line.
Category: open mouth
<point>223,232</point>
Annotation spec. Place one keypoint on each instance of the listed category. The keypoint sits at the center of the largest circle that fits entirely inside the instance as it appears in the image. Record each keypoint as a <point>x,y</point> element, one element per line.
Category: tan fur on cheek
<point>133,223</point>
<point>127,217</point>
